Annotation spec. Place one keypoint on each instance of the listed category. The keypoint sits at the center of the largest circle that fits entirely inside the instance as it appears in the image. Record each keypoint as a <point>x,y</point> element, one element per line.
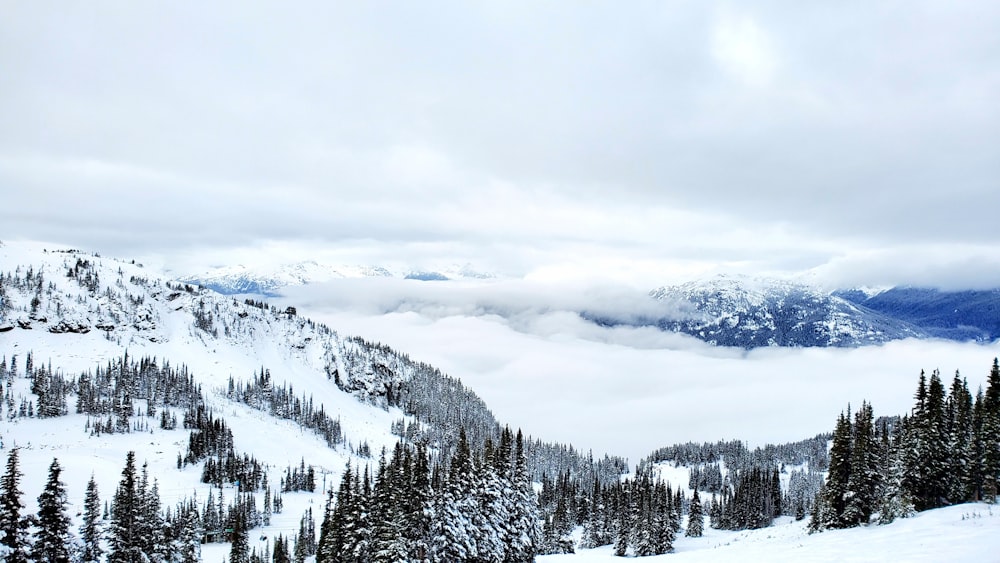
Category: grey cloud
<point>508,130</point>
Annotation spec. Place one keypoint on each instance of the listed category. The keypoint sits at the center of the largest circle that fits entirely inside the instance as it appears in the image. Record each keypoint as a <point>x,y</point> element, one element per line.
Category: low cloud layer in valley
<point>625,390</point>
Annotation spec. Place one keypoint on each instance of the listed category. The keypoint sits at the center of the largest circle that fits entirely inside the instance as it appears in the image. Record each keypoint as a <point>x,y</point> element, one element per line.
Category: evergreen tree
<point>894,501</point>
<point>14,544</point>
<point>187,547</point>
<point>837,481</point>
<point>125,545</point>
<point>928,471</point>
<point>457,507</point>
<point>863,481</point>
<point>961,443</point>
<point>991,429</point>
<point>239,551</point>
<point>52,537</point>
<point>280,553</point>
<point>524,527</point>
<point>695,518</point>
<point>90,531</point>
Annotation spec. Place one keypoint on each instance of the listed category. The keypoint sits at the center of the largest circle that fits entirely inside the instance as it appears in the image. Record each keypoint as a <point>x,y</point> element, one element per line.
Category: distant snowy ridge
<point>751,312</point>
<point>240,279</point>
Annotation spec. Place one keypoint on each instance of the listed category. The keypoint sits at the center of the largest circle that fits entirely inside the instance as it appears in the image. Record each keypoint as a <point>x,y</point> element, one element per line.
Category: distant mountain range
<point>238,280</point>
<point>739,311</point>
<point>750,312</point>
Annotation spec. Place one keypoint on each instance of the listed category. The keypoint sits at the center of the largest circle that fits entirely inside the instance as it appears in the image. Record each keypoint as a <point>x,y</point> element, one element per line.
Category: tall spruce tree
<point>52,537</point>
<point>126,512</point>
<point>90,529</point>
<point>836,492</point>
<point>929,470</point>
<point>863,481</point>
<point>14,543</point>
<point>696,520</point>
<point>961,445</point>
<point>991,430</point>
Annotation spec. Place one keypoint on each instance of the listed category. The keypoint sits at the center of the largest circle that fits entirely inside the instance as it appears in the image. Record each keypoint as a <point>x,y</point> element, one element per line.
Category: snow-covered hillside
<point>962,533</point>
<point>76,312</point>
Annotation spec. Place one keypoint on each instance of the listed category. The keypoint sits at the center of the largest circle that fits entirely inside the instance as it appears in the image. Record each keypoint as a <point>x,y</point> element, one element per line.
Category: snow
<point>293,352</point>
<point>294,356</point>
<point>967,532</point>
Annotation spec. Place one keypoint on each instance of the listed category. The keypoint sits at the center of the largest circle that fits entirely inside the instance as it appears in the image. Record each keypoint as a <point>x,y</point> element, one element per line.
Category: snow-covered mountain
<point>269,281</point>
<point>80,329</point>
<point>71,320</point>
<point>749,312</point>
<point>752,312</point>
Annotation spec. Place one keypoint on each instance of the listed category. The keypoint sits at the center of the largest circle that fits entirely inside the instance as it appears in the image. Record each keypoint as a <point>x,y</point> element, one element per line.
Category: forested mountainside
<point>99,352</point>
<point>956,315</point>
<point>177,424</point>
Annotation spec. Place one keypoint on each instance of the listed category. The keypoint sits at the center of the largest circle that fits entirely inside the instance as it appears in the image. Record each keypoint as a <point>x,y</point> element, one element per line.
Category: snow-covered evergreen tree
<point>836,491</point>
<point>90,529</point>
<point>14,525</point>
<point>126,514</point>
<point>52,537</point>
<point>696,520</point>
<point>863,481</point>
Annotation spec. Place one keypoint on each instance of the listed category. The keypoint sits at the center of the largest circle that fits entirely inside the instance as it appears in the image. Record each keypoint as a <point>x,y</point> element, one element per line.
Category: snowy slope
<point>962,533</point>
<point>109,307</point>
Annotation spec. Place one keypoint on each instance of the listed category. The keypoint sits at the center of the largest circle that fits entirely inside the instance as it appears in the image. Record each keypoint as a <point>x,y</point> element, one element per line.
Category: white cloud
<point>743,49</point>
<point>647,140</point>
<point>630,391</point>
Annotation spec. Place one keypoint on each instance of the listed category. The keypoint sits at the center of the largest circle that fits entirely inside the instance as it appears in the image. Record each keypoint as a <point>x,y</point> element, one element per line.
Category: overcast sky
<point>636,140</point>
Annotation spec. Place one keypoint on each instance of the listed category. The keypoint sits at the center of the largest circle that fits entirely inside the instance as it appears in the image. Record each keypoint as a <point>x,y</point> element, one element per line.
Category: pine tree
<point>52,537</point>
<point>524,527</point>
<point>457,508</point>
<point>961,444</point>
<point>696,520</point>
<point>863,482</point>
<point>281,555</point>
<point>90,531</point>
<point>837,481</point>
<point>188,545</point>
<point>14,544</point>
<point>152,542</point>
<point>125,545</point>
<point>991,429</point>
<point>623,529</point>
<point>239,551</point>
<point>927,473</point>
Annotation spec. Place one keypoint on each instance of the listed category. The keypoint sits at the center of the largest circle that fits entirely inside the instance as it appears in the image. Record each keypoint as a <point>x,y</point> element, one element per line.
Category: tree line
<point>945,451</point>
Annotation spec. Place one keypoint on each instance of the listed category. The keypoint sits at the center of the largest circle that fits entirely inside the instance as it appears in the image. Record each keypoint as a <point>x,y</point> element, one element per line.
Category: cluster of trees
<point>480,508</point>
<point>753,501</point>
<point>115,390</point>
<point>299,478</point>
<point>261,393</point>
<point>736,455</point>
<point>135,529</point>
<point>747,493</point>
<point>944,452</point>
<point>641,516</point>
